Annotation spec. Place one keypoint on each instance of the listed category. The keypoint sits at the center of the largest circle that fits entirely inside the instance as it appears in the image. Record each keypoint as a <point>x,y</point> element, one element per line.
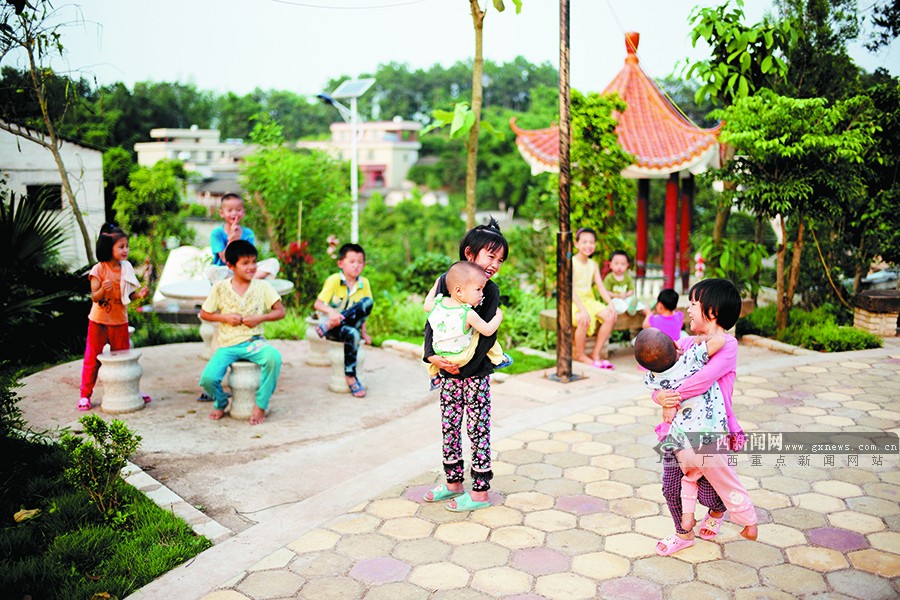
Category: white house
<point>386,151</point>
<point>29,170</point>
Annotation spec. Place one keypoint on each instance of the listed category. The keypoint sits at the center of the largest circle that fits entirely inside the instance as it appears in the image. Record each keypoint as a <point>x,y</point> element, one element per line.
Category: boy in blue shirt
<point>231,209</point>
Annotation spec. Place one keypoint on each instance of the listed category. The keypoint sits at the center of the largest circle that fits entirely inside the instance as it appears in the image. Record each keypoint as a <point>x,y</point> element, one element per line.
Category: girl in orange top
<point>113,285</point>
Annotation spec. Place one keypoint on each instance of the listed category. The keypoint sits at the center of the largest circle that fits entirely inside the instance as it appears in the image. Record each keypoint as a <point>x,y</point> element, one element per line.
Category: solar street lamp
<point>352,89</point>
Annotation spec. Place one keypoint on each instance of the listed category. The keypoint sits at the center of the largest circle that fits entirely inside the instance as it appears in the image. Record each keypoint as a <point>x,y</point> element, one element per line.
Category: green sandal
<point>465,503</point>
<point>441,493</point>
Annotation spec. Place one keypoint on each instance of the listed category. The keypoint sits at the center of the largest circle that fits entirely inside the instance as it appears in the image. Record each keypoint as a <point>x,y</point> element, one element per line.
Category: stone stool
<point>318,347</point>
<point>243,379</point>
<point>208,331</point>
<point>338,383</point>
<point>120,375</point>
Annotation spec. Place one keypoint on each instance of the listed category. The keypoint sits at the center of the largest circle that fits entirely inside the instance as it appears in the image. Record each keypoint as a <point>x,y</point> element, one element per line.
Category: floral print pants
<point>472,395</point>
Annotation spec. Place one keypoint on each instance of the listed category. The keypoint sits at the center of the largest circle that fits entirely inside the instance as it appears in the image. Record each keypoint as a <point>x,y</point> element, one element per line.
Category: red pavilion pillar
<point>671,231</point>
<point>684,249</point>
<point>643,211</point>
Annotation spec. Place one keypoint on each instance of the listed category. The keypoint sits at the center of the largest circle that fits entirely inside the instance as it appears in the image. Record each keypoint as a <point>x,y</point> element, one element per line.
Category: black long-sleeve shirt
<point>480,365</point>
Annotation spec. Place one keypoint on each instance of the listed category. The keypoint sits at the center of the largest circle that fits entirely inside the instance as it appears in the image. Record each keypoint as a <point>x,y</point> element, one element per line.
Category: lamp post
<point>352,89</point>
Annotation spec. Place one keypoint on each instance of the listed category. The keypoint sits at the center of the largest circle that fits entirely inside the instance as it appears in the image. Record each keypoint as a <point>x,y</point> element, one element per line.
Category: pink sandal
<point>84,404</point>
<point>711,523</point>
<point>603,364</point>
<point>673,544</point>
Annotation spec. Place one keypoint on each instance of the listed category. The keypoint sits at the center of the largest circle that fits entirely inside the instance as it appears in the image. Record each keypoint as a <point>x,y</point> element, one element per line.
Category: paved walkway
<point>577,505</point>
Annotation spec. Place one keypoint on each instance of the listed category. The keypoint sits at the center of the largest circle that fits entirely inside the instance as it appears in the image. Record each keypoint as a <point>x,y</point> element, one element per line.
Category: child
<point>665,317</point>
<point>113,285</point>
<point>452,319</point>
<point>241,304</point>
<point>621,286</point>
<point>467,388</point>
<point>231,209</point>
<point>346,300</point>
<point>585,309</point>
<point>715,307</point>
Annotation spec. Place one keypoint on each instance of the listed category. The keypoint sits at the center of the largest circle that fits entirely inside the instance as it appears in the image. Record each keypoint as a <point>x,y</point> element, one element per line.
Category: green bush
<point>420,275</point>
<point>392,318</point>
<point>97,462</point>
<point>818,329</point>
<point>150,331</point>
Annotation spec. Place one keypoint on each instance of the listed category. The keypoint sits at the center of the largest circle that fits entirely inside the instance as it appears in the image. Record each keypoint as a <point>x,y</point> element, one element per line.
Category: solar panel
<point>353,88</point>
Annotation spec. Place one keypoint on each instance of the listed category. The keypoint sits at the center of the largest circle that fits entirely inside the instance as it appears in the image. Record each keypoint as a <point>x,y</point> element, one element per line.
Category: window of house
<point>49,196</point>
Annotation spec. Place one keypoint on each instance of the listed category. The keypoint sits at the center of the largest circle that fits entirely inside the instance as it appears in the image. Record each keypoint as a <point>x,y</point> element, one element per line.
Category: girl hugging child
<point>467,388</point>
<point>455,326</point>
<point>704,376</point>
<point>113,285</point>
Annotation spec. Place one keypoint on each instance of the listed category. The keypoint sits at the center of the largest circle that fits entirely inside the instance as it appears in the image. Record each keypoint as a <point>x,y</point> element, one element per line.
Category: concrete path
<point>324,499</point>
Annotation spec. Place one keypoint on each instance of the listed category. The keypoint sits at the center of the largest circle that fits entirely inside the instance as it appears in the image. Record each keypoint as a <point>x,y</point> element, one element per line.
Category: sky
<point>299,45</point>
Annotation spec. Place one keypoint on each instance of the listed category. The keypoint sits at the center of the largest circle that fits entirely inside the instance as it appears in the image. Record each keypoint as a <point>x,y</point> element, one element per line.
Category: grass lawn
<point>70,549</point>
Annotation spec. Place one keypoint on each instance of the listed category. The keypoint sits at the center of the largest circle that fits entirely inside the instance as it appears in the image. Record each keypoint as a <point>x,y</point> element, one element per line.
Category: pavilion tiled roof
<point>651,128</point>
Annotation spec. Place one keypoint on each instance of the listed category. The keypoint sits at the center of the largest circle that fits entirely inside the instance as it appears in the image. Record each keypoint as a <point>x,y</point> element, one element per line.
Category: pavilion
<point>665,145</point>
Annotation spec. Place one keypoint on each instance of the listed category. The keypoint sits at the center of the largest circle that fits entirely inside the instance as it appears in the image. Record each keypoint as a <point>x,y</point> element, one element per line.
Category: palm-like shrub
<point>42,305</point>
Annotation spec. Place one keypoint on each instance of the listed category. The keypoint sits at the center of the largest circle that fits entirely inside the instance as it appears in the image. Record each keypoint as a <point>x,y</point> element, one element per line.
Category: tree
<point>886,19</point>
<point>149,209</point>
<point>31,32</point>
<point>797,161</point>
<point>743,58</point>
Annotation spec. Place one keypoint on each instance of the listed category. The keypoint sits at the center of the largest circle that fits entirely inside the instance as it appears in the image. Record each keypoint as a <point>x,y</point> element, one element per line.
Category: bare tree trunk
<point>795,265</point>
<point>780,309</point>
<point>477,91</point>
<point>54,149</point>
<point>269,221</point>
<point>723,212</point>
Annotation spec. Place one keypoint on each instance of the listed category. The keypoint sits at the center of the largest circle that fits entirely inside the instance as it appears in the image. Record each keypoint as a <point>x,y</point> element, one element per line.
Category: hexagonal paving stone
<point>728,574</point>
<point>838,539</point>
<point>859,584</point>
<point>517,537</point>
<point>540,561</point>
<point>855,521</point>
<point>502,468</point>
<point>876,507</point>
<point>365,545</point>
<point>480,555</point>
<point>498,516</point>
<point>631,545</point>
<point>823,560</point>
<point>886,540</point>
<point>529,501</point>
<point>662,570</point>
<point>608,490</point>
<point>271,584</point>
<point>392,508</point>
<point>635,476</point>
<point>538,471</point>
<point>439,576</point>
<point>421,551</point>
<point>754,554</point>
<point>786,485</point>
<point>886,491</point>
<point>591,448</point>
<point>547,446</point>
<point>695,590</point>
<point>567,459</point>
<point>513,483</point>
<point>354,523</point>
<point>631,588</point>
<point>463,532</point>
<point>530,435</point>
<point>875,561</point>
<point>571,437</point>
<point>819,502</point>
<point>574,541</point>
<point>397,591</point>
<point>838,489</point>
<point>550,520</point>
<point>559,487</point>
<point>702,551</point>
<point>605,523</point>
<point>798,518</point>
<point>634,507</point>
<point>313,541</point>
<point>587,474</point>
<point>766,593</point>
<point>565,586</point>
<point>332,587</point>
<point>780,535</point>
<point>320,564</point>
<point>381,570</point>
<point>612,462</point>
<point>521,457</point>
<point>224,595</point>
<point>505,444</point>
<point>793,579</point>
<point>276,560</point>
<point>501,581</point>
<point>581,504</point>
<point>407,528</point>
<point>600,565</point>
